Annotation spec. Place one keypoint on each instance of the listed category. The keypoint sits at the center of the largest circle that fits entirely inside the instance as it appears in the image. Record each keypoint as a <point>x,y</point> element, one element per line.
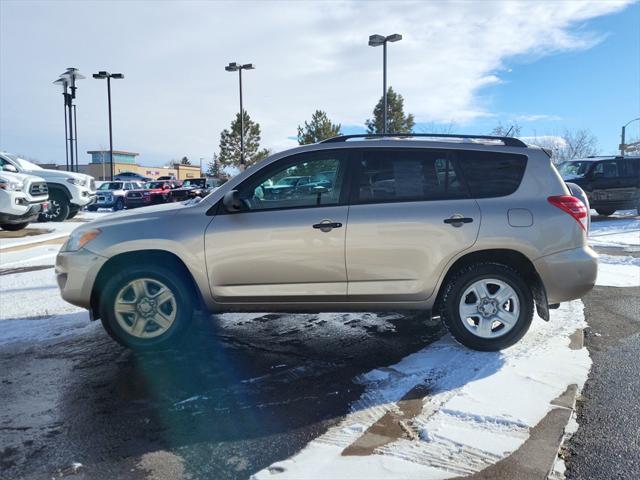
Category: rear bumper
<point>569,274</point>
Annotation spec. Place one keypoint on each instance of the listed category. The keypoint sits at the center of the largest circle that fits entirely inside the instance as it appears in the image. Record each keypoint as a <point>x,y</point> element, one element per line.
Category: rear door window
<point>607,169</point>
<point>387,175</point>
<point>492,174</point>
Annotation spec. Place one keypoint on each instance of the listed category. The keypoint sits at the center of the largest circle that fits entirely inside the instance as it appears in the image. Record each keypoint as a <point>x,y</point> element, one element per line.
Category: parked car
<point>22,199</point>
<point>474,230</point>
<point>284,187</point>
<point>68,191</point>
<point>131,177</point>
<point>611,183</point>
<point>151,193</point>
<point>191,188</point>
<point>113,194</point>
<point>166,177</point>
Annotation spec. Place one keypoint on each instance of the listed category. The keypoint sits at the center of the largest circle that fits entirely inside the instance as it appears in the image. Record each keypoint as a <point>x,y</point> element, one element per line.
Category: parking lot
<point>277,395</point>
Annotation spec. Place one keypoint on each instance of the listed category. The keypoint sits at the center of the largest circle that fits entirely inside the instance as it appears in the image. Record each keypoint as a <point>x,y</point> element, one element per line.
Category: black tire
<point>605,212</point>
<point>119,204</point>
<point>175,280</point>
<point>13,227</point>
<point>452,296</point>
<point>59,208</point>
<point>72,213</point>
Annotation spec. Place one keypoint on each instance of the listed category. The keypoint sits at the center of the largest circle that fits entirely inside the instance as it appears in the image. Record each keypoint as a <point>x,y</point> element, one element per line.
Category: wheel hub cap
<point>146,307</point>
<point>489,308</point>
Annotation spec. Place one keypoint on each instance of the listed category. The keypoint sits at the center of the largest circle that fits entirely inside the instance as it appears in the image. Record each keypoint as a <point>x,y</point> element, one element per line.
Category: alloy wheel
<point>145,308</point>
<point>489,308</point>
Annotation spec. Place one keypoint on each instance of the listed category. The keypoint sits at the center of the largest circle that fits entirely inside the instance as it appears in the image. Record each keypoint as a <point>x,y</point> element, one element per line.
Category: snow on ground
<point>620,230</point>
<point>479,407</point>
<point>54,230</point>
<point>618,271</point>
<point>31,308</point>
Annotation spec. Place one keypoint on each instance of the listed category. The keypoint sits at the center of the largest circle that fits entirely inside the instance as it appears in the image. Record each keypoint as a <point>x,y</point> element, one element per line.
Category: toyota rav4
<point>477,230</point>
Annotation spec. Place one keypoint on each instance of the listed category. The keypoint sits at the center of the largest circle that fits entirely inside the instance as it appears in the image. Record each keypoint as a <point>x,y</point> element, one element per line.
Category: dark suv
<point>611,183</point>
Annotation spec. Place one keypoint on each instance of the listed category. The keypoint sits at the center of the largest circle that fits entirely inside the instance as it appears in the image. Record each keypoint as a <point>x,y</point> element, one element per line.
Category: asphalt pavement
<point>240,395</point>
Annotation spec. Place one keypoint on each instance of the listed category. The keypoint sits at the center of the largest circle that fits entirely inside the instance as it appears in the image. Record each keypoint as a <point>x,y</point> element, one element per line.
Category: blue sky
<point>548,64</point>
<point>597,88</point>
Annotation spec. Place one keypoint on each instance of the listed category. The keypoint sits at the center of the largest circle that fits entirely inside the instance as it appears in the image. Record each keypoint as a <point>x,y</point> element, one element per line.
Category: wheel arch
<point>511,258</point>
<point>118,261</point>
<point>59,188</point>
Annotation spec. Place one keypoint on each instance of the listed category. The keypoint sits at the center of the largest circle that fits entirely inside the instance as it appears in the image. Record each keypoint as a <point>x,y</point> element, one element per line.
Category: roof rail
<point>507,141</point>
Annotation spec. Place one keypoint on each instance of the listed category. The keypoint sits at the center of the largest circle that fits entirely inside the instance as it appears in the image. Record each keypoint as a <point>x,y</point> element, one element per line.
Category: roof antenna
<point>508,131</point>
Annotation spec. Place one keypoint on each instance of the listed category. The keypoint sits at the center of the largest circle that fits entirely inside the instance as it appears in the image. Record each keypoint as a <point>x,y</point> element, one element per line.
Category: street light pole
<point>236,67</point>
<point>68,82</point>
<point>376,41</point>
<point>102,75</point>
<point>622,136</point>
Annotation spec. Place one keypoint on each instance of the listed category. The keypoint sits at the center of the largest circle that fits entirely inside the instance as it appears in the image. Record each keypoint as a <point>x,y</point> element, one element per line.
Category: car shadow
<point>257,387</point>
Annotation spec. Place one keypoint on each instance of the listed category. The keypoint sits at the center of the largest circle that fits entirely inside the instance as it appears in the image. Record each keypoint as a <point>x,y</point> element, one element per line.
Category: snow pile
<point>618,271</point>
<point>620,230</point>
<point>479,407</point>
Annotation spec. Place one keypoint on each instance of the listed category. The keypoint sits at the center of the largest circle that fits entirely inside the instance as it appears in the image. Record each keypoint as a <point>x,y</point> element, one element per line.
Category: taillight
<point>573,206</point>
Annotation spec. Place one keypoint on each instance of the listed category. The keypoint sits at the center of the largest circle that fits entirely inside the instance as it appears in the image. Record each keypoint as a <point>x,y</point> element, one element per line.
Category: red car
<point>154,192</point>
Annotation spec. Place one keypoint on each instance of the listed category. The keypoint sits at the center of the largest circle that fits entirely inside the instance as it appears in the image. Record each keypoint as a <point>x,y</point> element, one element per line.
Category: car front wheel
<point>58,208</point>
<point>487,306</point>
<point>147,307</point>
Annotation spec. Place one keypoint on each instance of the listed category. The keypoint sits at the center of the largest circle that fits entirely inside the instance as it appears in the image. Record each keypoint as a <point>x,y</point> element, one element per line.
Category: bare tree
<point>571,144</point>
<point>512,130</point>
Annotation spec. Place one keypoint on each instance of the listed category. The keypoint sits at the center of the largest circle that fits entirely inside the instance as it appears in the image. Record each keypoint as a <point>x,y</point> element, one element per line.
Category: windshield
<point>154,185</point>
<point>574,169</point>
<point>22,163</point>
<point>111,186</point>
<point>193,183</point>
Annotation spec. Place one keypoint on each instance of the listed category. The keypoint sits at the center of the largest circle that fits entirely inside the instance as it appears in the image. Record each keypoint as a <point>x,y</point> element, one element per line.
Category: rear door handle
<point>327,225</point>
<point>457,221</point>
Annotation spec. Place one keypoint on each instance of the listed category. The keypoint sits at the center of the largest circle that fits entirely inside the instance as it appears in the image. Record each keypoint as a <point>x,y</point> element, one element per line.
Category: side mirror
<point>231,201</point>
<point>166,187</point>
<point>9,168</point>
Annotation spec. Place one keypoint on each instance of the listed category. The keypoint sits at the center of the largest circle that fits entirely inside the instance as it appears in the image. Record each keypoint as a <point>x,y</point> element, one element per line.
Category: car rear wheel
<point>605,211</point>
<point>73,212</point>
<point>13,227</point>
<point>487,306</point>
<point>58,208</point>
<point>147,307</point>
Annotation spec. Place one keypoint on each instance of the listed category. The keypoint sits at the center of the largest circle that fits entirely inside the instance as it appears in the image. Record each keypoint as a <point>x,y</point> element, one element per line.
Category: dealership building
<point>123,161</point>
<point>126,162</point>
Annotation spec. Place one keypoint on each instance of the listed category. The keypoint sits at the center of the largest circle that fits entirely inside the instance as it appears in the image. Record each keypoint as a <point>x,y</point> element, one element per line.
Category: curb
<point>536,457</point>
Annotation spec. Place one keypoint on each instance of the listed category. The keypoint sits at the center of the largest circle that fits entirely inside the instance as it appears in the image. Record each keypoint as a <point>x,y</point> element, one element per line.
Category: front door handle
<point>327,225</point>
<point>457,220</point>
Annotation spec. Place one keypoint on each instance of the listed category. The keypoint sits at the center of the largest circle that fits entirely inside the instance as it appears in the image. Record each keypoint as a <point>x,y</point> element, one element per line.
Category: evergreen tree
<point>213,166</point>
<point>320,128</point>
<point>397,121</point>
<point>230,143</point>
<point>185,161</point>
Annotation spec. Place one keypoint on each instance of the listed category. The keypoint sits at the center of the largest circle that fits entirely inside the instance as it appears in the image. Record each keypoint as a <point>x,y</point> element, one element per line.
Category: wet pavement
<point>242,392</point>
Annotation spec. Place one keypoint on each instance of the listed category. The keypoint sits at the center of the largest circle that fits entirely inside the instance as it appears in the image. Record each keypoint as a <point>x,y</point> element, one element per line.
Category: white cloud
<point>535,117</point>
<point>177,97</point>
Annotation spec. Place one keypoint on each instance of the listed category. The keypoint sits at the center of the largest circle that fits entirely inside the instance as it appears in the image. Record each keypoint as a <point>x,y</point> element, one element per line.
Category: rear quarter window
<point>492,174</point>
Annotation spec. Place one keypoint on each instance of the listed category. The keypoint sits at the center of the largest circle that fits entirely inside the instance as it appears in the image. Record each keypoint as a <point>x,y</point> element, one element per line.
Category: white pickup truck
<point>22,199</point>
<point>68,191</point>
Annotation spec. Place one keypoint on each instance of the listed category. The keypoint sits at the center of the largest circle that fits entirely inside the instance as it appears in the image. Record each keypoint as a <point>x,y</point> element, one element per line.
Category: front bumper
<point>569,274</point>
<point>82,196</point>
<point>76,273</point>
<point>31,213</point>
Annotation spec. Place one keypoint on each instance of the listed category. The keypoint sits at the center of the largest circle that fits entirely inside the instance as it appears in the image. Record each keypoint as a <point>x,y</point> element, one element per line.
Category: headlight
<point>13,186</point>
<point>76,181</point>
<point>77,240</point>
